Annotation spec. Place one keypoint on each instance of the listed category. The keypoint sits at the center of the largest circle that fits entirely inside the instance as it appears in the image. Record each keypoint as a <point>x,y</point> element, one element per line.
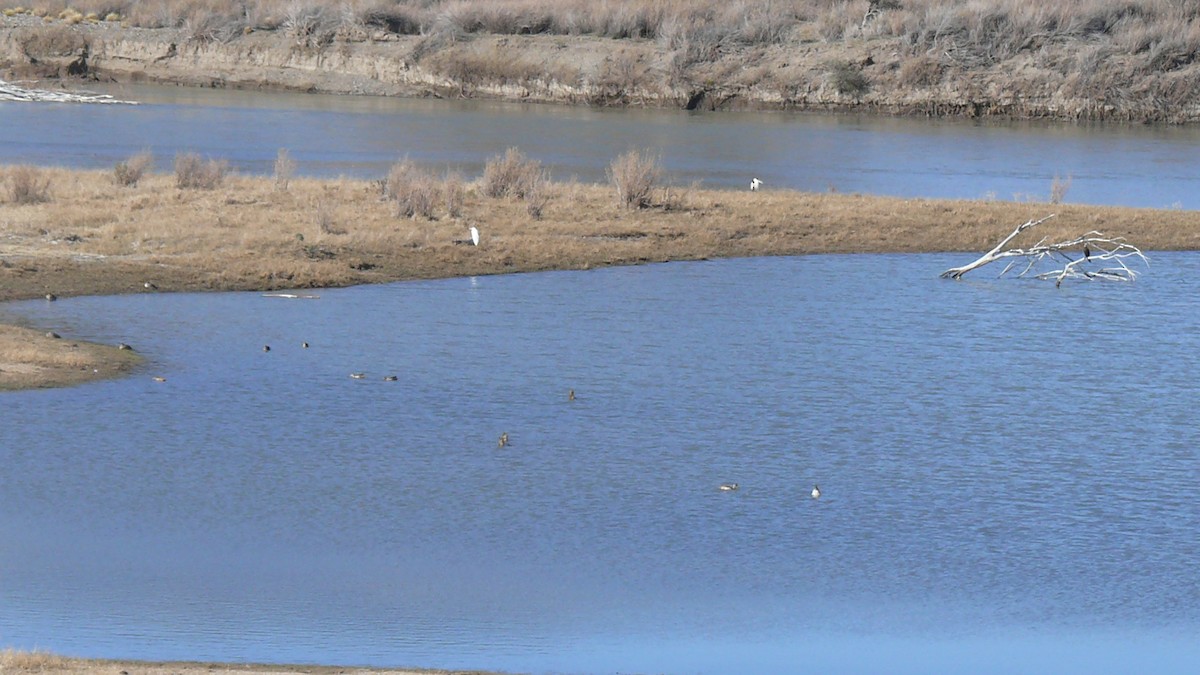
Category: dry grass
<point>192,172</point>
<point>30,358</point>
<point>41,662</point>
<point>511,174</point>
<point>285,169</point>
<point>130,171</point>
<point>634,175</point>
<point>18,660</point>
<point>27,185</point>
<point>243,235</point>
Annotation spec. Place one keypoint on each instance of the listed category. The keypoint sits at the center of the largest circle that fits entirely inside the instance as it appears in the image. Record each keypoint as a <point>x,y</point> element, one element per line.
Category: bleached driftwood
<point>1102,257</point>
<point>12,92</point>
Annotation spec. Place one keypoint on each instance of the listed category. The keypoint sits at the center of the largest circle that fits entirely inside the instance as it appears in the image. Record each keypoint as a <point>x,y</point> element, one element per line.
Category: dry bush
<point>285,167</point>
<point>1059,188</point>
<point>414,190</point>
<point>920,71</point>
<point>537,194</point>
<point>634,175</point>
<point>848,79</point>
<point>511,174</point>
<point>323,214</point>
<point>130,171</point>
<point>192,172</point>
<point>28,185</point>
<point>453,194</point>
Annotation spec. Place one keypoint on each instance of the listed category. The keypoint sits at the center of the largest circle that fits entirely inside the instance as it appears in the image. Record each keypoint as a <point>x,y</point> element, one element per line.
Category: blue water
<point>1152,166</point>
<point>1009,472</point>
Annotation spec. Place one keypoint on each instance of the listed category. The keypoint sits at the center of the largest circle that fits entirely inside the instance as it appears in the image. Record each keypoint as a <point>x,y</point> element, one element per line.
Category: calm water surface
<point>1010,474</point>
<point>363,136</point>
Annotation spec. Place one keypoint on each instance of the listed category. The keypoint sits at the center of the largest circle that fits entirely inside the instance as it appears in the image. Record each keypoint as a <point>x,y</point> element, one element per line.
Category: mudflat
<point>84,233</point>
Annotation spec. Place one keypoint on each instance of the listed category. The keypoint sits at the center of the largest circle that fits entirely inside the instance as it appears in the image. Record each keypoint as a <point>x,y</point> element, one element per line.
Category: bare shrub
<point>130,171</point>
<point>414,190</point>
<point>285,167</point>
<point>323,213</point>
<point>453,194</point>
<point>920,71</point>
<point>848,79</point>
<point>537,194</point>
<point>634,175</point>
<point>512,174</point>
<point>1059,188</point>
<point>28,185</point>
<point>192,172</point>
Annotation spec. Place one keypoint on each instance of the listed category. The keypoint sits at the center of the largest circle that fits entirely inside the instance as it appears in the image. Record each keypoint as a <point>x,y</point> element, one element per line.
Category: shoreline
<point>42,663</point>
<point>829,64</point>
<point>92,237</point>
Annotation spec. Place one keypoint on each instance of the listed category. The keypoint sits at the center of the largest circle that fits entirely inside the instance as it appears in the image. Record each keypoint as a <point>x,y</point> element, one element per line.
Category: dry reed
<point>285,168</point>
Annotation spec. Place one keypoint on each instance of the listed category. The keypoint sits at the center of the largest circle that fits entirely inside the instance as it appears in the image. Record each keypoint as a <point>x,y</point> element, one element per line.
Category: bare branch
<point>1103,258</point>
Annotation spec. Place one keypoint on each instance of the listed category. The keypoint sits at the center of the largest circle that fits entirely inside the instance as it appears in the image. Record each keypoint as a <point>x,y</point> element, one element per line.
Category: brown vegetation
<point>27,185</point>
<point>192,172</point>
<point>635,175</point>
<point>16,661</point>
<point>1076,59</point>
<point>247,235</point>
<point>128,172</point>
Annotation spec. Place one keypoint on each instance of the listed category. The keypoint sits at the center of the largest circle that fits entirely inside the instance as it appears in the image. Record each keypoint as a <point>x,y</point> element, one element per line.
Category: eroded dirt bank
<point>872,72</point>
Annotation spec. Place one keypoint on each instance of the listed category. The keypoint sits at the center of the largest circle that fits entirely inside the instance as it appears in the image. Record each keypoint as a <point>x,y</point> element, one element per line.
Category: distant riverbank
<point>13,661</point>
<point>84,233</point>
<point>1133,61</point>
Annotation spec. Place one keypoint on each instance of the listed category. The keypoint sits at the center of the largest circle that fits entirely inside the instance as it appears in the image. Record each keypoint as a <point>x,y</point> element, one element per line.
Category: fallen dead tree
<point>1100,257</point>
<point>12,92</point>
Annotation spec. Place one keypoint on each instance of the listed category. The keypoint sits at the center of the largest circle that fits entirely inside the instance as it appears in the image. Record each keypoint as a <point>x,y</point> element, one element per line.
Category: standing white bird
<point>755,184</point>
<point>474,235</point>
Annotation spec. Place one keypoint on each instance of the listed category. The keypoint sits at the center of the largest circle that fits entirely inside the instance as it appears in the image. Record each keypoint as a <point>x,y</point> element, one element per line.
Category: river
<point>1149,166</point>
<point>1009,474</point>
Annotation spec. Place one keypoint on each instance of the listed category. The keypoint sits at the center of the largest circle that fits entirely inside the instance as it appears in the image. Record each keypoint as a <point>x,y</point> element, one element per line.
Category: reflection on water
<point>1009,474</point>
<point>362,136</point>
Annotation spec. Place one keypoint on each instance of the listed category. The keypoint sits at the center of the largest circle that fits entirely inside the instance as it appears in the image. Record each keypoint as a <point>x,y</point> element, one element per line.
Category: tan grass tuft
<point>28,185</point>
<point>192,172</point>
<point>511,174</point>
<point>634,175</point>
<point>285,168</point>
<point>129,172</point>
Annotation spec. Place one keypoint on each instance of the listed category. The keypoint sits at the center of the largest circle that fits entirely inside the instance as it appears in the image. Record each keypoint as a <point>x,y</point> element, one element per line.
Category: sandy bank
<point>93,237</point>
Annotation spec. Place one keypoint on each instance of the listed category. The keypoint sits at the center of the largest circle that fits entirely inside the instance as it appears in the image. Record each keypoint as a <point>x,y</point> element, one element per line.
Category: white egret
<point>474,235</point>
